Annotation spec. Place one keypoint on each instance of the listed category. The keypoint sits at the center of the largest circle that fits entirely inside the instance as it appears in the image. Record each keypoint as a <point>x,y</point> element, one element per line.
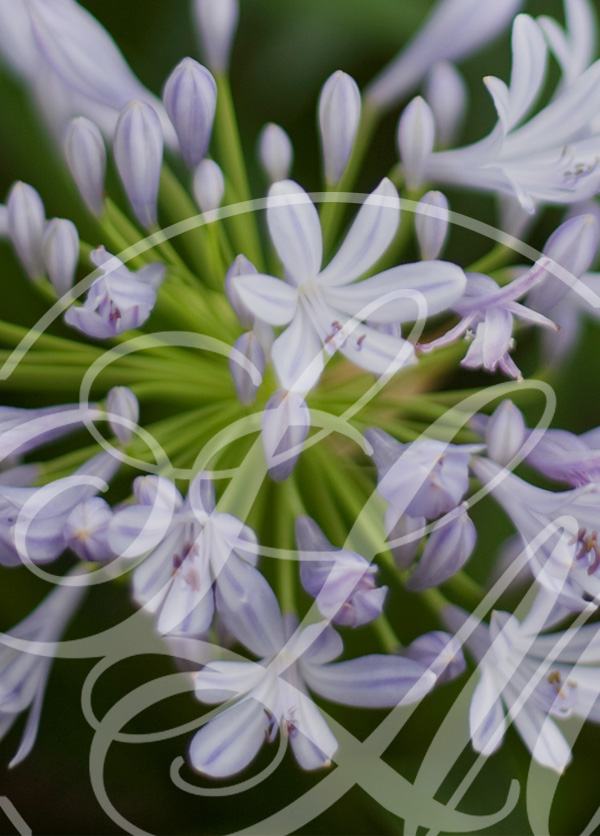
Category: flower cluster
<point>277,422</point>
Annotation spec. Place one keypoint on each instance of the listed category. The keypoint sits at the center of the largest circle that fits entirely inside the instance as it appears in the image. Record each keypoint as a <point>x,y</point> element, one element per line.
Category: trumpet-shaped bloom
<point>118,300</point>
<point>551,158</point>
<point>327,308</point>
<point>272,694</point>
<point>26,656</point>
<point>194,555</point>
<point>536,677</point>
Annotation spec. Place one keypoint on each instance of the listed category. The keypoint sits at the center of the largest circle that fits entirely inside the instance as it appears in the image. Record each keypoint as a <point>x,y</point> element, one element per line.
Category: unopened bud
<point>276,152</point>
<point>247,364</point>
<point>240,267</point>
<point>339,117</point>
<point>190,97</point>
<point>285,425</point>
<point>217,22</point>
<point>431,224</point>
<point>209,186</point>
<point>123,413</point>
<point>138,147</point>
<point>448,548</point>
<point>416,137</point>
<point>85,153</point>
<point>26,227</point>
<point>61,254</point>
<point>505,433</point>
<point>447,95</point>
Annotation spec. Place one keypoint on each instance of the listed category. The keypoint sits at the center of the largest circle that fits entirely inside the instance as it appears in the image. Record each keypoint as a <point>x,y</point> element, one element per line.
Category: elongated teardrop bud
<point>85,153</point>
<point>217,21</point>
<point>447,95</point>
<point>505,433</point>
<point>209,186</point>
<point>416,136</point>
<point>138,147</point>
<point>26,227</point>
<point>339,117</point>
<point>448,548</point>
<point>276,152</point>
<point>431,224</point>
<point>61,253</point>
<point>247,364</point>
<point>123,412</point>
<point>190,97</point>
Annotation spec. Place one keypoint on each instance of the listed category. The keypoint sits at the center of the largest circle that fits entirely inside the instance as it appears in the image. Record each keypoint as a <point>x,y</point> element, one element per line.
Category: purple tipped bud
<point>217,21</point>
<point>285,425</point>
<point>573,247</point>
<point>440,652</point>
<point>123,413</point>
<point>339,117</point>
<point>209,186</point>
<point>276,152</point>
<point>240,267</point>
<point>431,224</point>
<point>447,95</point>
<point>448,548</point>
<point>416,137</point>
<point>85,153</point>
<point>404,536</point>
<point>247,364</point>
<point>86,530</point>
<point>505,433</point>
<point>138,147</point>
<point>190,97</point>
<point>61,254</point>
<point>26,227</point>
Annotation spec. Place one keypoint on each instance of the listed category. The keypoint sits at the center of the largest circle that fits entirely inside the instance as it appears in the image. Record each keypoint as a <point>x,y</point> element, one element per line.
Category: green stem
<point>232,160</point>
<point>498,256</point>
<point>284,527</point>
<point>243,489</point>
<point>386,634</point>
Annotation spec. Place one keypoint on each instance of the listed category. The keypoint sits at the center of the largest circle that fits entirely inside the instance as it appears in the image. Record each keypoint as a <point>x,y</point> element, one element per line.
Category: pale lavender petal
<point>311,739</point>
<point>440,653</point>
<point>229,742</point>
<point>486,716</point>
<point>543,738</point>
<point>297,354</point>
<point>370,681</point>
<point>249,607</point>
<point>402,294</point>
<point>448,548</point>
<point>123,413</point>
<point>86,530</point>
<point>247,363</point>
<point>285,425</point>
<point>295,229</point>
<point>369,237</point>
<point>221,681</point>
<point>266,297</point>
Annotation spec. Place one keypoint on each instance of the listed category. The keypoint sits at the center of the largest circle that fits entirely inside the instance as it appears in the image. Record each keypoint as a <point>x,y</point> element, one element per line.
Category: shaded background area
<point>283,54</point>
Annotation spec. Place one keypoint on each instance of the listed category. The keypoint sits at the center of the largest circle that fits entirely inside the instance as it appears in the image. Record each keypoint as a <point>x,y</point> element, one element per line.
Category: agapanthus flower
<point>534,676</point>
<point>118,300</point>
<point>326,308</point>
<point>272,694</point>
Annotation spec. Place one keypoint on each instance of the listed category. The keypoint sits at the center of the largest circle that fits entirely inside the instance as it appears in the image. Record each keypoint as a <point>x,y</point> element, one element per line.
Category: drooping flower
<point>341,581</point>
<point>327,308</point>
<point>118,300</point>
<point>272,694</point>
<point>26,656</point>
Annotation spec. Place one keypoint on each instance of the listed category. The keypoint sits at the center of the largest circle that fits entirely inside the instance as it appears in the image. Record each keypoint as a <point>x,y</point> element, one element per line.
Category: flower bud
<point>61,254</point>
<point>505,433</point>
<point>138,148</point>
<point>26,226</point>
<point>217,21</point>
<point>276,152</point>
<point>416,137</point>
<point>209,186</point>
<point>85,153</point>
<point>572,247</point>
<point>247,364</point>
<point>123,413</point>
<point>285,425</point>
<point>431,224</point>
<point>240,267</point>
<point>439,652</point>
<point>404,534</point>
<point>86,530</point>
<point>448,548</point>
<point>190,97</point>
<point>446,93</point>
<point>157,491</point>
<point>339,117</point>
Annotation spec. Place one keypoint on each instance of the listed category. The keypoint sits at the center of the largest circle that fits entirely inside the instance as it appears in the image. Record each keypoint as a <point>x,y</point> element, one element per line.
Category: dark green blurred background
<point>284,52</point>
